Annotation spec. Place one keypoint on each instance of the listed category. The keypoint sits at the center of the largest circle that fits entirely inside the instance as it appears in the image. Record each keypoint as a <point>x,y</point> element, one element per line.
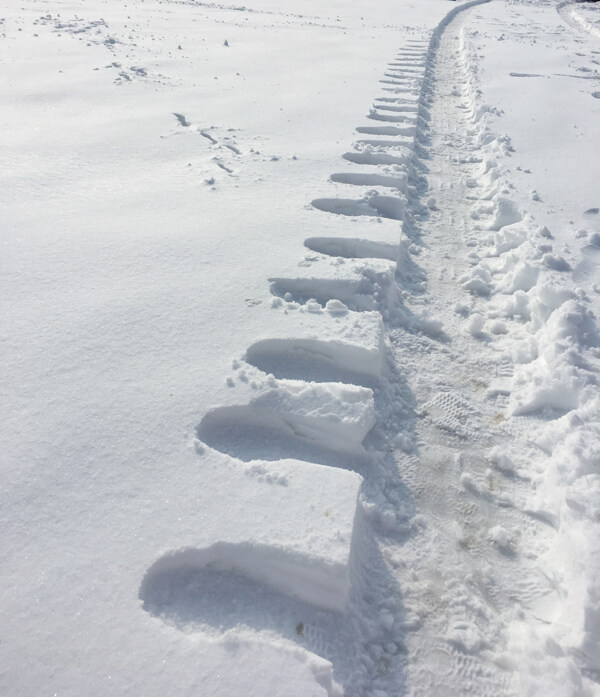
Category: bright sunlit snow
<point>300,348</point>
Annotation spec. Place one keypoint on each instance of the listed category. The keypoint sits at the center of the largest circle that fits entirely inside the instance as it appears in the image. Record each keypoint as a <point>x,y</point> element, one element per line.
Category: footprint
<point>227,585</point>
<point>402,148</point>
<point>293,419</point>
<point>406,108</point>
<point>293,592</point>
<point>401,90</point>
<point>182,120</point>
<point>404,118</point>
<point>410,84</point>
<point>353,248</point>
<point>450,413</point>
<point>408,62</point>
<point>376,206</point>
<point>319,361</point>
<point>359,179</point>
<point>206,135</point>
<point>206,591</point>
<point>368,157</point>
<point>359,284</point>
<point>403,71</point>
<point>409,130</point>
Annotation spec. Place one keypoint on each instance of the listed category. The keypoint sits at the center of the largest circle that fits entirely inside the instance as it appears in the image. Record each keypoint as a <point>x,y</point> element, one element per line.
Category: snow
<point>300,345</point>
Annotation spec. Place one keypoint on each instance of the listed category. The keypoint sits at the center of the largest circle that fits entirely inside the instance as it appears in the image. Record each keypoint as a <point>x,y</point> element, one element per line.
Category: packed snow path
<point>488,628</point>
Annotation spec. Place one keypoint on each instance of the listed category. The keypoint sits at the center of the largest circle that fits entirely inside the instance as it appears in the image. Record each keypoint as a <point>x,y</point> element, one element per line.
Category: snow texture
<point>301,349</point>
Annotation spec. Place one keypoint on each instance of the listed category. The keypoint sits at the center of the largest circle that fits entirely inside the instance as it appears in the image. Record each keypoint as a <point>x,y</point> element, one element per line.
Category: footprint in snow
<point>207,591</point>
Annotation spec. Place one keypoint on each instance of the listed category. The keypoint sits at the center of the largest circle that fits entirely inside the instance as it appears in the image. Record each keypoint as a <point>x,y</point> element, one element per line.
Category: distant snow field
<point>301,349</point>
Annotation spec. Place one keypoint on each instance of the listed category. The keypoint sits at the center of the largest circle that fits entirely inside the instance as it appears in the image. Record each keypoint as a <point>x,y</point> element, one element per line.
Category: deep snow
<point>270,434</point>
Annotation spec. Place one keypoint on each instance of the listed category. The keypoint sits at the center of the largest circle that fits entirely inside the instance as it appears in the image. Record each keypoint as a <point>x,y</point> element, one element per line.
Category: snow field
<point>393,488</point>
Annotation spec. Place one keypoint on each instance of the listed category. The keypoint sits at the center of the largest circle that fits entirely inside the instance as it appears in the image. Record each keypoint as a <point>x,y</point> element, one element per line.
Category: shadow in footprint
<point>199,595</point>
<point>381,206</point>
<point>288,358</point>
<point>205,592</point>
<point>360,179</point>
<point>353,248</point>
<point>387,130</point>
<point>250,434</point>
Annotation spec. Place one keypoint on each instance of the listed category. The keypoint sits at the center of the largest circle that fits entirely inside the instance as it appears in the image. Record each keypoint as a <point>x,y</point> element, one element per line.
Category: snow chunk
<point>523,277</point>
<point>497,327</point>
<point>500,460</point>
<point>506,213</point>
<point>333,416</point>
<point>556,262</point>
<point>478,281</point>
<point>430,325</point>
<point>499,536</point>
<point>336,307</point>
<point>559,378</point>
<point>361,284</point>
<point>332,344</point>
<point>475,324</point>
<point>509,237</point>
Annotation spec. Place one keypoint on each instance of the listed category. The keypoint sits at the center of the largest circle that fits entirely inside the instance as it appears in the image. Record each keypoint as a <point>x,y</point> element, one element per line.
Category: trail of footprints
<point>302,405</point>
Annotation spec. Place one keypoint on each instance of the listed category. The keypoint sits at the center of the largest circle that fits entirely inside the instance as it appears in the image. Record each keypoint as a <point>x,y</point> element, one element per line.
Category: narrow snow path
<point>472,578</point>
<point>457,577</point>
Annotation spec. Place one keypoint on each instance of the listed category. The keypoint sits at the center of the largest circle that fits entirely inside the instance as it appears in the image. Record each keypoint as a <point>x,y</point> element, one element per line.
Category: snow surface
<point>300,348</point>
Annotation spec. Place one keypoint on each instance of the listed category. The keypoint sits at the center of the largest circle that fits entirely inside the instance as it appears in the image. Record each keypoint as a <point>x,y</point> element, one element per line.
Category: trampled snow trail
<point>460,580</point>
<point>481,575</point>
